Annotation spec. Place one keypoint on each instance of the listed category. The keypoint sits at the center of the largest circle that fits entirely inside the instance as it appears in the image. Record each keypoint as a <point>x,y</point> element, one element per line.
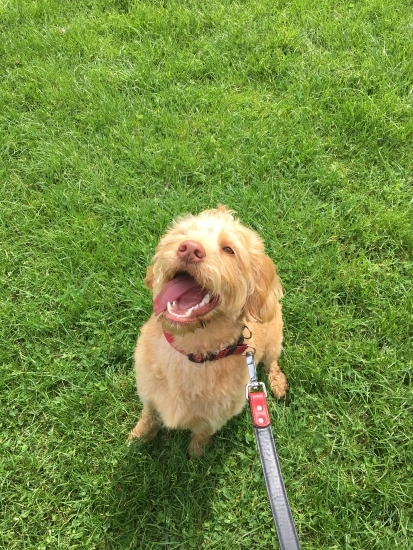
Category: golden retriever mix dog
<point>215,291</point>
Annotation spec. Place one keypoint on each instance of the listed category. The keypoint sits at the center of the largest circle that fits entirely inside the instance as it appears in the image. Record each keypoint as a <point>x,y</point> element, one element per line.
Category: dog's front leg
<point>199,442</point>
<point>147,426</point>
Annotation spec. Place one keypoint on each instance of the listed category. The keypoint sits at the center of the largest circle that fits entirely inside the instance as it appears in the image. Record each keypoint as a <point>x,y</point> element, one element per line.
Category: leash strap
<point>257,396</point>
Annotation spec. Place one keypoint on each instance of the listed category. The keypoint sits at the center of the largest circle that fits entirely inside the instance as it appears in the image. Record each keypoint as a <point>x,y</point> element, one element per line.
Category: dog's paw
<point>198,445</point>
<point>278,383</point>
<point>143,432</point>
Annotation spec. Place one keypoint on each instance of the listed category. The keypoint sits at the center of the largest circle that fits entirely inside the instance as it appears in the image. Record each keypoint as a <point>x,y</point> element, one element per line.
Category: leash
<point>256,395</point>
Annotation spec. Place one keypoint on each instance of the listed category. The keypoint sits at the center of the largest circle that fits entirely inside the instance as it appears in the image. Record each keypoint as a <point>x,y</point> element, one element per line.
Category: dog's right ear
<point>149,277</point>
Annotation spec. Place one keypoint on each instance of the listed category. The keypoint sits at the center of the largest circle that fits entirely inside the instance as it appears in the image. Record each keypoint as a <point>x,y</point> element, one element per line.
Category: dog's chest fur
<point>186,393</point>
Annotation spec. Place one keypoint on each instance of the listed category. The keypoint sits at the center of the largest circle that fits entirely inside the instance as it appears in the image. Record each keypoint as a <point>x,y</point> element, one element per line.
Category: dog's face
<point>211,265</point>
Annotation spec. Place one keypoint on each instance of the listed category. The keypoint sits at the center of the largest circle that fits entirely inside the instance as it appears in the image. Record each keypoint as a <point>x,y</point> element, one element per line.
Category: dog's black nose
<point>191,251</point>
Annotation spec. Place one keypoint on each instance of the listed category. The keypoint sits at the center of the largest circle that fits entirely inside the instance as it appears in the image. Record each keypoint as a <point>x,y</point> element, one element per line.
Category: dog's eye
<point>228,250</point>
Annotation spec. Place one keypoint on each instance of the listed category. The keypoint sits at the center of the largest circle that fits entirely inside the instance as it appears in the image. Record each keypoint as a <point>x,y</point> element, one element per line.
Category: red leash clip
<point>256,395</point>
<point>259,409</point>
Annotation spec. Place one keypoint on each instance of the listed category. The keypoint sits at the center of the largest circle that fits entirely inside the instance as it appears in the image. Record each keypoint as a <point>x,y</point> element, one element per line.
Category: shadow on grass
<point>160,498</point>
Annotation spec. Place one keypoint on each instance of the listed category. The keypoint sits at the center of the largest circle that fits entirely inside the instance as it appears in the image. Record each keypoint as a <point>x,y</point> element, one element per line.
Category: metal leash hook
<point>256,395</point>
<point>249,355</point>
<point>254,385</point>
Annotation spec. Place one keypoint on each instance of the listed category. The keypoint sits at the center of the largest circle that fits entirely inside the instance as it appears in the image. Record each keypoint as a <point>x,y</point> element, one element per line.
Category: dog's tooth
<point>206,300</point>
<point>170,306</point>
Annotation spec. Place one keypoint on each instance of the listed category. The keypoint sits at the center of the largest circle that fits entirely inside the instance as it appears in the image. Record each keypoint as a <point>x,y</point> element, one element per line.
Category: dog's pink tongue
<point>172,291</point>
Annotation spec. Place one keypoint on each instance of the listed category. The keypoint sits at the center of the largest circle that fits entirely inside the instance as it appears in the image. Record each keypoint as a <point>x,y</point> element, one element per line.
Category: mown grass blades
<point>115,117</point>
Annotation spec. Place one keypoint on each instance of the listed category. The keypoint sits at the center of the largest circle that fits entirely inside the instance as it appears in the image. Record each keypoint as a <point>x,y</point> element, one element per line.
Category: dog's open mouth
<point>183,299</point>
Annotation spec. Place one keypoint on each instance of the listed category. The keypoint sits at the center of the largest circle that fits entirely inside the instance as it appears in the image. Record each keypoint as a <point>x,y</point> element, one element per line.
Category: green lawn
<point>118,115</point>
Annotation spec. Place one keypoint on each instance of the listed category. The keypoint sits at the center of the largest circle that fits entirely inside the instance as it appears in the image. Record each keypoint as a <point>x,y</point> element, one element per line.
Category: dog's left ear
<point>267,291</point>
<point>149,277</point>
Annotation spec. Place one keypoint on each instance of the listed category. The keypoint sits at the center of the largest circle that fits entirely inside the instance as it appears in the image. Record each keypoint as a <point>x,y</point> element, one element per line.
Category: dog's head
<point>210,265</point>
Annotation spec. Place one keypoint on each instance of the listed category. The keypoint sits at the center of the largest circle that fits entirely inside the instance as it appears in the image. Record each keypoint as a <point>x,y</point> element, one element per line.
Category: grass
<point>116,116</point>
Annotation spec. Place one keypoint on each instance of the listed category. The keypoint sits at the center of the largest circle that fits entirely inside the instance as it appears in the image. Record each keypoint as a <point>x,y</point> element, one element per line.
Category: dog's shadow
<point>160,497</point>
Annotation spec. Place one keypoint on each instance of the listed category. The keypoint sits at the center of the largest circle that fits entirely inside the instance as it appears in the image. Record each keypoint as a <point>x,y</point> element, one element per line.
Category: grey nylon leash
<point>257,397</point>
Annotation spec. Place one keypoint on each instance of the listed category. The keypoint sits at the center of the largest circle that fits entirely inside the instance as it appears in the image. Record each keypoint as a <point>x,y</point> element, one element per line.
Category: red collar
<point>234,349</point>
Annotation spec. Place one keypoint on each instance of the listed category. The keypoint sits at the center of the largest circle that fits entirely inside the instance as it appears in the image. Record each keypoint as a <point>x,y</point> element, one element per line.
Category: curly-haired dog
<point>210,278</point>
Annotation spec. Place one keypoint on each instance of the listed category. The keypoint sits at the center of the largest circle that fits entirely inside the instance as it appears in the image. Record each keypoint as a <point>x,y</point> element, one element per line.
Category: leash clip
<point>254,385</point>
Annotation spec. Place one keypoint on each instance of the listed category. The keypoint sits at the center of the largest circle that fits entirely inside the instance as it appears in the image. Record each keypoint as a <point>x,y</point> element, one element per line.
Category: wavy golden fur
<point>233,268</point>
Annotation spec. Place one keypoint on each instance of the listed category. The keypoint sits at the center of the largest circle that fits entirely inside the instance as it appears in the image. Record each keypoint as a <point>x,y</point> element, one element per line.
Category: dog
<point>213,288</point>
